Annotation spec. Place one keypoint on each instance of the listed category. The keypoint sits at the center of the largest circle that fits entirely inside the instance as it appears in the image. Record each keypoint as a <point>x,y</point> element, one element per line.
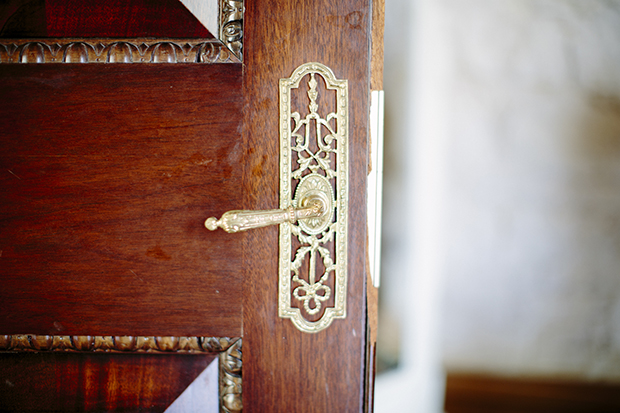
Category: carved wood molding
<point>121,344</point>
<point>115,51</point>
<point>231,25</point>
<point>229,349</point>
<point>230,384</point>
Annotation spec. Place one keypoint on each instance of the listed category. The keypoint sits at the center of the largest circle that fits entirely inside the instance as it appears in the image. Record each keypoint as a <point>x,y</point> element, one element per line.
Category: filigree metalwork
<point>230,379</point>
<point>115,51</point>
<point>137,344</point>
<point>314,193</point>
<point>231,25</point>
<point>314,153</point>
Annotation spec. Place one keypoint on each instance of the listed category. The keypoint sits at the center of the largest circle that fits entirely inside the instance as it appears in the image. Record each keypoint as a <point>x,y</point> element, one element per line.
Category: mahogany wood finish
<point>286,370</point>
<point>108,172</point>
<point>59,382</point>
<point>99,18</point>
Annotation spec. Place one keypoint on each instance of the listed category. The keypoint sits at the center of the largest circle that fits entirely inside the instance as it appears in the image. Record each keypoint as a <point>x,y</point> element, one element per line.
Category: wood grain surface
<point>286,370</point>
<point>107,173</point>
<point>98,18</point>
<point>60,382</point>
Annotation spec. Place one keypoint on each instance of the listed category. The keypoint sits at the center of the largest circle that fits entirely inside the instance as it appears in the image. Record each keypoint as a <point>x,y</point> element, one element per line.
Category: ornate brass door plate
<point>314,193</point>
<point>314,152</point>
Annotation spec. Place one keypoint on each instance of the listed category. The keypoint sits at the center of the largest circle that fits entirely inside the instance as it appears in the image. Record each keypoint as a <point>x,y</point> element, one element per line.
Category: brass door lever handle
<point>314,193</point>
<point>312,206</point>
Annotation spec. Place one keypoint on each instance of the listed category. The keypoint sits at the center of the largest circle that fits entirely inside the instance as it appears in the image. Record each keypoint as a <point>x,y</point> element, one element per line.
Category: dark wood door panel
<point>107,173</point>
<point>55,382</point>
<point>320,372</point>
<point>98,18</point>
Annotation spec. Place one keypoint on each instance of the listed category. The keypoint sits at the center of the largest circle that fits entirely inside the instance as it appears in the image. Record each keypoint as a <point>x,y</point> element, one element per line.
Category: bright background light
<point>501,195</point>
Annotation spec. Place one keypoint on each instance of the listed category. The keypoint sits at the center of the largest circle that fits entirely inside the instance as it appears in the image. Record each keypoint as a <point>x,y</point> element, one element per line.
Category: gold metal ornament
<point>312,206</point>
<point>314,150</point>
<point>231,25</point>
<point>314,192</point>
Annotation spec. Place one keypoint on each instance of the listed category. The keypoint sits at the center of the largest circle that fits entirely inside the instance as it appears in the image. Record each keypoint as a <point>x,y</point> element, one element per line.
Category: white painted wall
<point>533,262</point>
<point>503,141</point>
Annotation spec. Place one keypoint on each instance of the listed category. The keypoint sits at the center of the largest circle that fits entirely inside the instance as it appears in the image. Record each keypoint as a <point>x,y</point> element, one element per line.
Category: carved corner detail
<point>229,357</point>
<point>115,51</point>
<point>124,344</point>
<point>230,364</point>
<point>231,25</point>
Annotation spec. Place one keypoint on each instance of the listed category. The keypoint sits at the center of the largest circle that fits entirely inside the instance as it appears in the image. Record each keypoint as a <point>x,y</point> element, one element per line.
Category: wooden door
<point>114,295</point>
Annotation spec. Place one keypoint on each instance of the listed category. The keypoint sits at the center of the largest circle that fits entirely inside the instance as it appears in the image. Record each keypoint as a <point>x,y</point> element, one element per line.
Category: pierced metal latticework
<point>314,159</point>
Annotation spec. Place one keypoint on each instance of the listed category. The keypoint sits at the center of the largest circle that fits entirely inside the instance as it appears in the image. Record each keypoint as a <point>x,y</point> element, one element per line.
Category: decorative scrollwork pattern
<point>231,25</point>
<point>115,51</point>
<point>139,344</point>
<point>230,379</point>
<point>313,154</point>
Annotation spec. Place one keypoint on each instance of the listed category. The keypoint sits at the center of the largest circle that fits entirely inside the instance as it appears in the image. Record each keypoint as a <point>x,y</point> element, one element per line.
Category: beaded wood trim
<point>115,51</point>
<point>121,344</point>
<point>228,349</point>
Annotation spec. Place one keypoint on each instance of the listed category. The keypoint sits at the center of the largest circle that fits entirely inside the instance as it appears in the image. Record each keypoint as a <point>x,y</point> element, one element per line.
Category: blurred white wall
<point>502,193</point>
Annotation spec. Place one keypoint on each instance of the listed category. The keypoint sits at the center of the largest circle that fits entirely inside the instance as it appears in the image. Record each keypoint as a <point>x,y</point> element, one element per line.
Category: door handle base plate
<point>314,159</point>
